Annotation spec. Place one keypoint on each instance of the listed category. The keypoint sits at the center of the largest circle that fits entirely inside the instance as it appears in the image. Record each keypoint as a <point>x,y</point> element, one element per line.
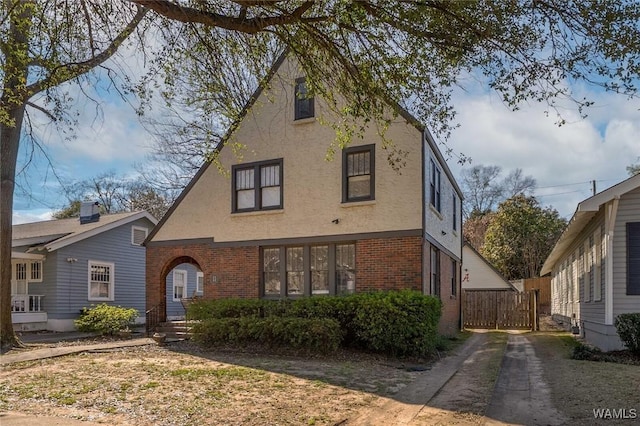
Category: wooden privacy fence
<point>501,309</point>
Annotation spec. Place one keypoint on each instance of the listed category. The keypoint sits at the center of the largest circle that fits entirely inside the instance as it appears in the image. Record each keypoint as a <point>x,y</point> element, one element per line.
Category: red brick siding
<point>381,264</point>
<point>236,270</point>
<point>451,306</point>
<point>389,264</point>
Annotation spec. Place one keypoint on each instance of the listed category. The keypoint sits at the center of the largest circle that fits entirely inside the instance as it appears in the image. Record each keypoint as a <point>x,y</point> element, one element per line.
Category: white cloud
<point>28,216</point>
<point>597,148</point>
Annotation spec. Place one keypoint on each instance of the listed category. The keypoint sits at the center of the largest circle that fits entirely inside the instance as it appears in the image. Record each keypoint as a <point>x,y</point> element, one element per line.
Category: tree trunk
<point>9,142</point>
<point>12,106</point>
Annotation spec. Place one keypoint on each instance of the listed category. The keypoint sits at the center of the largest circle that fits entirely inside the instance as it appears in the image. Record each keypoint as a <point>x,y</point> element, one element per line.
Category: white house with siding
<point>595,265</point>
<point>479,274</point>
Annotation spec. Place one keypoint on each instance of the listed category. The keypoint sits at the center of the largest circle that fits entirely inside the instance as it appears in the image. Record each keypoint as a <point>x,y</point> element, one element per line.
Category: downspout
<point>424,212</point>
<point>610,224</point>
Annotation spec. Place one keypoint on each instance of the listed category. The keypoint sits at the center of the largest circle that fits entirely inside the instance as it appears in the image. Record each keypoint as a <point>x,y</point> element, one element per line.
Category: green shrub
<point>398,322</point>
<point>584,353</point>
<point>236,308</point>
<point>314,335</point>
<point>106,319</point>
<point>628,327</point>
<point>392,322</point>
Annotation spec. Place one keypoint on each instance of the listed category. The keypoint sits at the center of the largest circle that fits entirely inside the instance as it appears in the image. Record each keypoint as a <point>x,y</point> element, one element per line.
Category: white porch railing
<point>26,303</point>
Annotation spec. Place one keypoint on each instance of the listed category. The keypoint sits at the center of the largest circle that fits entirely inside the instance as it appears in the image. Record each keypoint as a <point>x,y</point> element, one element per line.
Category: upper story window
<point>303,102</point>
<point>138,235</point>
<point>455,213</point>
<point>257,186</point>
<point>434,193</point>
<point>358,173</point>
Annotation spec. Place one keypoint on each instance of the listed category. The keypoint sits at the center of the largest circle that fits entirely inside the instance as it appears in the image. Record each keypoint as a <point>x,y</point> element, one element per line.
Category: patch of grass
<point>578,387</point>
<point>150,385</point>
<point>63,397</point>
<point>227,373</point>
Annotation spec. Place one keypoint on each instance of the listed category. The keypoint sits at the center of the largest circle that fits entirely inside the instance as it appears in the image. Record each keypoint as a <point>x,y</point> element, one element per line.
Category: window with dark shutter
<point>633,258</point>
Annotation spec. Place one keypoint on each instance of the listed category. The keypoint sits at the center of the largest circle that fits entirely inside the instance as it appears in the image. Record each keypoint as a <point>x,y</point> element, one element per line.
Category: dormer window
<point>303,102</point>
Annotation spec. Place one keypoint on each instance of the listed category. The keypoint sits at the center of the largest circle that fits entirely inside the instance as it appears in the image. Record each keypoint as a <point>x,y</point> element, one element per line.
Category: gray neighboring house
<point>61,266</point>
<point>595,265</point>
<point>185,281</point>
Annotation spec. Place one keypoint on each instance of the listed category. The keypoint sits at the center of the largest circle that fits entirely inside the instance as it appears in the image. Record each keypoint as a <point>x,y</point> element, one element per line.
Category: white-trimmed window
<point>101,280</point>
<point>587,271</point>
<point>138,235</point>
<point>199,282</point>
<point>597,282</point>
<point>179,284</point>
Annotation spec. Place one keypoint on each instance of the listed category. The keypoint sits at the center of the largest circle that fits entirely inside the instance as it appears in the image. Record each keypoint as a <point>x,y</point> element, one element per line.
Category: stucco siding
<point>439,224</point>
<point>312,185</point>
<point>628,211</point>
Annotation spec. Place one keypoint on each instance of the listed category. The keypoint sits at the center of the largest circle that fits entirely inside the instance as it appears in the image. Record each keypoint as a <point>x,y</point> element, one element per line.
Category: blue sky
<point>563,160</point>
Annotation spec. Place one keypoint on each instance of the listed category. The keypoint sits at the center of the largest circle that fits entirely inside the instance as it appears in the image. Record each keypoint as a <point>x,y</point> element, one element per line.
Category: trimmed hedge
<point>317,335</point>
<point>628,327</point>
<point>105,319</point>
<point>392,322</point>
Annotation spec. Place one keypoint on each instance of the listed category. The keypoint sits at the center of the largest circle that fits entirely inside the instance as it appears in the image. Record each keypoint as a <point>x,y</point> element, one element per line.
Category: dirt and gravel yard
<point>180,384</point>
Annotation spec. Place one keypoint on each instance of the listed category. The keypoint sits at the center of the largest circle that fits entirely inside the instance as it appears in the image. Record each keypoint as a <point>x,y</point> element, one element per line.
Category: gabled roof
<point>585,211</point>
<point>55,234</point>
<point>250,103</point>
<point>486,262</point>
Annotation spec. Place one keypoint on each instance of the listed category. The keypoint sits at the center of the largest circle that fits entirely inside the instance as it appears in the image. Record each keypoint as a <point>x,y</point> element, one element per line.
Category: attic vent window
<point>89,212</point>
<point>138,235</point>
<point>303,102</point>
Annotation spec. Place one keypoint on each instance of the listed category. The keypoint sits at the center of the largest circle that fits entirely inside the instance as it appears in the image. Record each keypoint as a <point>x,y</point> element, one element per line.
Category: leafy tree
<point>521,236</point>
<point>634,169</point>
<point>72,210</point>
<point>46,44</point>
<point>483,188</point>
<point>356,55</point>
<point>475,228</point>
<point>114,194</point>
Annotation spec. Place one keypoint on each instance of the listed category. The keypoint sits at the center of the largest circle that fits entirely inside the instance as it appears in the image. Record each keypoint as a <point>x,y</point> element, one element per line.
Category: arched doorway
<point>178,279</point>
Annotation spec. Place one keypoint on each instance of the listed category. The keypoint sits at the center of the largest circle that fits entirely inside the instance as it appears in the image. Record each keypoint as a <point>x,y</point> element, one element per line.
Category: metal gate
<point>501,309</point>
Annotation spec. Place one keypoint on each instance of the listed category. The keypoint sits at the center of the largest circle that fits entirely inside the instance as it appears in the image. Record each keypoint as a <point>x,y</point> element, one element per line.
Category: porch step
<point>175,330</point>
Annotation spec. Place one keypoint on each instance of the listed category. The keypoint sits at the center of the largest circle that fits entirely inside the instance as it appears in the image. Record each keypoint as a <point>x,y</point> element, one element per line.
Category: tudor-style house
<point>275,219</point>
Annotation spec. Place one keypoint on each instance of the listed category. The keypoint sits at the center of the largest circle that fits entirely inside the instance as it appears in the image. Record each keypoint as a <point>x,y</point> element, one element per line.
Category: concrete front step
<point>180,330</point>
